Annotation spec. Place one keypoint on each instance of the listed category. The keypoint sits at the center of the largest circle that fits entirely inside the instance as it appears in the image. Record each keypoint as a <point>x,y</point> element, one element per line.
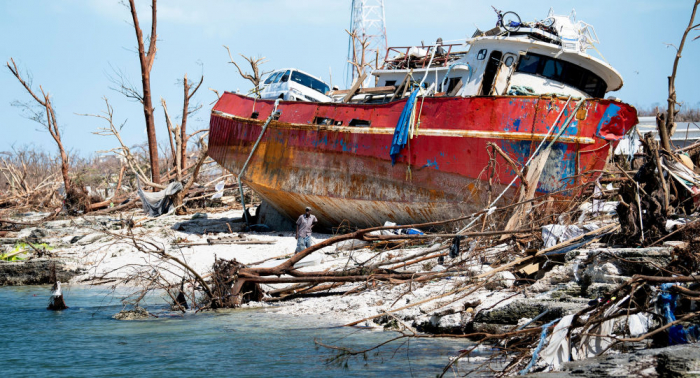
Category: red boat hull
<point>345,172</point>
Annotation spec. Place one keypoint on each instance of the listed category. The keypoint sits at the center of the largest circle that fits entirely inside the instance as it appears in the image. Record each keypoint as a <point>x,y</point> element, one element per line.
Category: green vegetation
<point>22,248</point>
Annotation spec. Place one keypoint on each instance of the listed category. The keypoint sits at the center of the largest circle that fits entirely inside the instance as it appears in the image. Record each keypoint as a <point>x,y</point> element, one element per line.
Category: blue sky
<point>72,47</point>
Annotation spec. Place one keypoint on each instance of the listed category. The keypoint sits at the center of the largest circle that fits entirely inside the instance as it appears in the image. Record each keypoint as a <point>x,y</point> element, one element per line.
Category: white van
<point>294,85</point>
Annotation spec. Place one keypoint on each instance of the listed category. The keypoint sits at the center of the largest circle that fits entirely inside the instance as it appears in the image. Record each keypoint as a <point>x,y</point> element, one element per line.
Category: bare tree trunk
<point>179,198</point>
<point>50,123</point>
<point>358,58</point>
<point>665,126</point>
<point>183,126</point>
<point>186,111</point>
<point>180,149</point>
<point>146,59</point>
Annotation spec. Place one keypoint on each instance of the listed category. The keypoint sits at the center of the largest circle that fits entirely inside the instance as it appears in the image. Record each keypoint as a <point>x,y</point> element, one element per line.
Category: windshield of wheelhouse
<point>563,72</point>
<point>310,82</point>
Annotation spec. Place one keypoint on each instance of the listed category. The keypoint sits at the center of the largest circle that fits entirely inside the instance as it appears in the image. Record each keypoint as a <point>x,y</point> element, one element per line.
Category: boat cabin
<point>548,57</point>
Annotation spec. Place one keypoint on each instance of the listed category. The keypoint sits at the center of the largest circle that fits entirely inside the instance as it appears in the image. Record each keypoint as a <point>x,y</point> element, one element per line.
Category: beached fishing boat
<point>414,148</point>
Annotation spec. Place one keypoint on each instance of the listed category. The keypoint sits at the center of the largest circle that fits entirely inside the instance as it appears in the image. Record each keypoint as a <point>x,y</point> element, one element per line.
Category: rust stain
<point>345,173</point>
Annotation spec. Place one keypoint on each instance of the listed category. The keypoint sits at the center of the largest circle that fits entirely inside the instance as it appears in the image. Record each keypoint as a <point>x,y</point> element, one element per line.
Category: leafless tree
<point>255,63</point>
<point>46,116</point>
<point>178,142</point>
<point>358,57</point>
<point>146,58</point>
<point>123,151</point>
<point>666,124</point>
<point>186,111</point>
<point>186,174</point>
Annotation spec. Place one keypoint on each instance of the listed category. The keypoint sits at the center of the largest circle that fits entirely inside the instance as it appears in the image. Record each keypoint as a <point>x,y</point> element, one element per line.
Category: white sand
<point>105,251</point>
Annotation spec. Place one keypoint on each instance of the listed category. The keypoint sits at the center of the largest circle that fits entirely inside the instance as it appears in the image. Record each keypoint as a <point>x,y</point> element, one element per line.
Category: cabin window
<point>528,64</point>
<point>285,77</point>
<point>574,75</point>
<point>390,83</point>
<point>359,122</point>
<point>591,84</point>
<point>509,61</point>
<point>563,71</point>
<point>553,69</point>
<point>481,55</point>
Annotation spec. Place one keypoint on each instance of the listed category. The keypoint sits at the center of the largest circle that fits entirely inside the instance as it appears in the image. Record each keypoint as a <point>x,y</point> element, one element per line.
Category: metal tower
<point>367,21</point>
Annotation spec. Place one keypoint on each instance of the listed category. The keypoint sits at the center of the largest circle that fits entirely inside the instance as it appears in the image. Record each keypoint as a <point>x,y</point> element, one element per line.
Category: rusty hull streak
<point>429,132</point>
<point>345,173</point>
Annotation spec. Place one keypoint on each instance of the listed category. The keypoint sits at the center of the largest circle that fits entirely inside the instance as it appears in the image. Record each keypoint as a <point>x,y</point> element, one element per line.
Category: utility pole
<point>367,22</point>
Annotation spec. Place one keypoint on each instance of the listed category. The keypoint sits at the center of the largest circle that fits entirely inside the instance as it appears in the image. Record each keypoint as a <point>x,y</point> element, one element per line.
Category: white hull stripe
<point>509,135</point>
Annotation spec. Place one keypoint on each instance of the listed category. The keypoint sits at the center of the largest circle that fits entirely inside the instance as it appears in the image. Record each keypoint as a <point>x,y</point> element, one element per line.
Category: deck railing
<point>401,59</point>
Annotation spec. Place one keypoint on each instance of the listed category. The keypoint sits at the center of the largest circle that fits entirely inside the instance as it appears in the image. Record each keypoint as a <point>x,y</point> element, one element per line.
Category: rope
<point>415,125</point>
<point>427,69</point>
<point>540,345</point>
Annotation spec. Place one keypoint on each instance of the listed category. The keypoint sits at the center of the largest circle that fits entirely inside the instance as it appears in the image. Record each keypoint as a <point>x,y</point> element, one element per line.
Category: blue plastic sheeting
<point>540,345</point>
<point>401,131</point>
<point>677,334</point>
<point>586,240</point>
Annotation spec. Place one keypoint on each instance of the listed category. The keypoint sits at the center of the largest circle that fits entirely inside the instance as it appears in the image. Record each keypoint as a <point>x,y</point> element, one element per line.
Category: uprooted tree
<point>46,116</point>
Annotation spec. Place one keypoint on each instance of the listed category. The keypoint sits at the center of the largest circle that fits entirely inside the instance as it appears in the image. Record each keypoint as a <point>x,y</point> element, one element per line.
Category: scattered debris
<point>602,269</point>
<point>138,313</point>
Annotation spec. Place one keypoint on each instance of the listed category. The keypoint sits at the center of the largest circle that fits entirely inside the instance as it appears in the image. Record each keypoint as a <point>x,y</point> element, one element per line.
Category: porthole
<point>481,55</point>
<point>509,61</point>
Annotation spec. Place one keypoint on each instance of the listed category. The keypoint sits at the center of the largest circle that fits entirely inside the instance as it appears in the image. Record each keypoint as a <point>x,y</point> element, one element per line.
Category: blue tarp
<point>677,334</point>
<point>401,131</point>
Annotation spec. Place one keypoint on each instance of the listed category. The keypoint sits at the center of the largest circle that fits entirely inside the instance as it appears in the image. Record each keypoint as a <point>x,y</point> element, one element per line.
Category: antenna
<point>367,22</point>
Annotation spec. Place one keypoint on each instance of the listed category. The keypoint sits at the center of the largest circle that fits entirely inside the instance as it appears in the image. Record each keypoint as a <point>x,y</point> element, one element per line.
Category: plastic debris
<point>219,190</point>
<point>553,234</point>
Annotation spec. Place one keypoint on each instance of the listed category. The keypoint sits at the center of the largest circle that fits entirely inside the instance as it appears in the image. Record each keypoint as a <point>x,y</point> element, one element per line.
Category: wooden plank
<point>374,90</point>
<point>354,88</point>
<point>403,83</point>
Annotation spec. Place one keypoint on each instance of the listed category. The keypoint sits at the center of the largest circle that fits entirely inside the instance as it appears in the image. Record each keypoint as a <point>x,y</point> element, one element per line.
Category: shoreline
<point>95,248</point>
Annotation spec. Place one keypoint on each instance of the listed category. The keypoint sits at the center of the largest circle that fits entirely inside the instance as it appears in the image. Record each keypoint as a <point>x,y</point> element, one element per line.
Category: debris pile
<point>610,269</point>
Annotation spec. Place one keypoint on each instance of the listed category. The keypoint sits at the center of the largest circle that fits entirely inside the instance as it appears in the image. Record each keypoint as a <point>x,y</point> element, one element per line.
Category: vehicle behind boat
<point>290,84</point>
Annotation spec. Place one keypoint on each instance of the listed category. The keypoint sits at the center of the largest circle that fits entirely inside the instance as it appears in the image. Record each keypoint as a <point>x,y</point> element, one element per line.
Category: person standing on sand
<point>304,224</point>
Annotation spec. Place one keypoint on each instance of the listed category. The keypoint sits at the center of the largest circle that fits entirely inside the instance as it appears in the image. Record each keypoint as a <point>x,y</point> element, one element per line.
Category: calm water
<point>85,341</point>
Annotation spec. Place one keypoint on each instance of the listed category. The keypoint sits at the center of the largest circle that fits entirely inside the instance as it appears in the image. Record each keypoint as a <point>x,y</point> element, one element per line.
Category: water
<point>85,341</point>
